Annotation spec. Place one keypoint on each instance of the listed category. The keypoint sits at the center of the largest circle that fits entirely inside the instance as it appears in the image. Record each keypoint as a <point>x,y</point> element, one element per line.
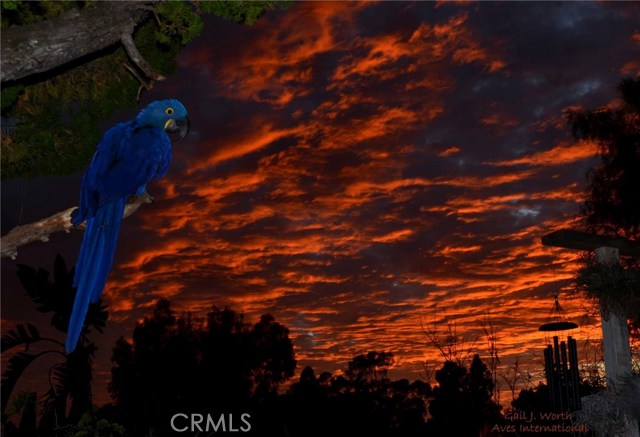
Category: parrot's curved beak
<point>180,126</point>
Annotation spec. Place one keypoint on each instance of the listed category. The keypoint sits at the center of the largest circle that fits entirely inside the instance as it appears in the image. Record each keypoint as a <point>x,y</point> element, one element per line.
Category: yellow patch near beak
<point>166,125</point>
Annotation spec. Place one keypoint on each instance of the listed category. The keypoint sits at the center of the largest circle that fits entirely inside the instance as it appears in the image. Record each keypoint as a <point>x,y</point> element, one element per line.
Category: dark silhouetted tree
<point>370,367</point>
<point>533,400</point>
<point>462,402</point>
<point>612,204</point>
<point>481,387</point>
<point>176,364</point>
<point>361,401</point>
<point>274,360</point>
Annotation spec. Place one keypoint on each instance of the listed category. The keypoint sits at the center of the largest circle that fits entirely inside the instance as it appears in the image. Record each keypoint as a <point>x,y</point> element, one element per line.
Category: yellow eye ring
<point>169,111</point>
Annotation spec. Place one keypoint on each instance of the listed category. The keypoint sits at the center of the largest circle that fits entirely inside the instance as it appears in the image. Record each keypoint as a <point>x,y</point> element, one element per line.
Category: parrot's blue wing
<point>107,152</point>
<point>126,159</point>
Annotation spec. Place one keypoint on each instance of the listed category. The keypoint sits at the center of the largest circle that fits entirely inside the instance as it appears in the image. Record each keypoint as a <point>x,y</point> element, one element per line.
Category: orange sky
<point>363,170</point>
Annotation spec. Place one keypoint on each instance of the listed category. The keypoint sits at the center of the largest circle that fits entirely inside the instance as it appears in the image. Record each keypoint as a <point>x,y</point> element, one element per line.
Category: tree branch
<point>37,48</point>
<point>143,83</point>
<point>58,222</point>
<point>136,57</point>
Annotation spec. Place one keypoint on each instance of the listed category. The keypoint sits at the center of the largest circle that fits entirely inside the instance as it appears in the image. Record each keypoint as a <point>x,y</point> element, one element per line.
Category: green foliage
<point>242,11</point>
<point>89,425</point>
<point>161,56</point>
<point>10,5</point>
<point>21,401</point>
<point>63,115</point>
<point>177,22</point>
<point>24,406</point>
<point>19,13</point>
<point>10,95</point>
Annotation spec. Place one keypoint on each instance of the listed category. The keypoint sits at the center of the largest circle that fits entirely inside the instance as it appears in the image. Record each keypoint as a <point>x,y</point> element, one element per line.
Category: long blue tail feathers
<point>93,265</point>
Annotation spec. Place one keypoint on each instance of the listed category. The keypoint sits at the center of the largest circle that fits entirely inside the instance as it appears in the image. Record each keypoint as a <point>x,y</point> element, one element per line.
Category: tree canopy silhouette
<point>462,402</point>
<point>612,204</point>
<point>177,364</point>
<point>359,401</point>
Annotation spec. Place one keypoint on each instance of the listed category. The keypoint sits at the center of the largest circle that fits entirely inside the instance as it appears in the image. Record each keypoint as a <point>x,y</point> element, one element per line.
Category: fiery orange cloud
<point>261,136</point>
<point>274,68</point>
<point>561,154</point>
<point>453,38</point>
<point>393,236</point>
<point>449,151</point>
<point>460,249</point>
<point>632,67</point>
<point>498,119</point>
<point>361,178</point>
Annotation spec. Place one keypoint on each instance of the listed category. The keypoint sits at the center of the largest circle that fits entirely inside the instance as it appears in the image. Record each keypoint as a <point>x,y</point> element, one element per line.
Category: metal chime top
<point>555,321</point>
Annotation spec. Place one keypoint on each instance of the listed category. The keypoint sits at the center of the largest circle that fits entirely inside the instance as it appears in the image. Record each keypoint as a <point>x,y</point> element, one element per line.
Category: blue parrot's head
<point>169,115</point>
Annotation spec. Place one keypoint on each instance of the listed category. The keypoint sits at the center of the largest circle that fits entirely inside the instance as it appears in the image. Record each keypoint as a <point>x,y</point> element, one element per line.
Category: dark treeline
<point>222,373</point>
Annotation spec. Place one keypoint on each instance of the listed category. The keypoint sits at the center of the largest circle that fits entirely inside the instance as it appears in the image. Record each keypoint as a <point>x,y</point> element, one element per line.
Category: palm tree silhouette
<point>70,377</point>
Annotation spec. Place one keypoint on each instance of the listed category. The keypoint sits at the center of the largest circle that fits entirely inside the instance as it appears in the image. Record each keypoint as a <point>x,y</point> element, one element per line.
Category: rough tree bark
<point>58,222</point>
<point>37,48</point>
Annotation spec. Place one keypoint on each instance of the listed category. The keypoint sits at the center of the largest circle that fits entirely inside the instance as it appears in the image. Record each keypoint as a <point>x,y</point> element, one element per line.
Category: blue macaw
<point>129,155</point>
